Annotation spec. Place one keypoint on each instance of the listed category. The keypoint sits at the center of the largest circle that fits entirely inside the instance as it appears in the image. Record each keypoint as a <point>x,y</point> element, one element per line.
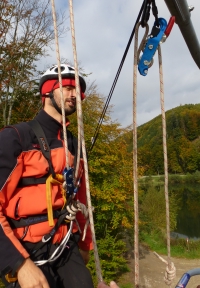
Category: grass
<point>180,248</point>
<point>173,178</point>
<point>128,285</point>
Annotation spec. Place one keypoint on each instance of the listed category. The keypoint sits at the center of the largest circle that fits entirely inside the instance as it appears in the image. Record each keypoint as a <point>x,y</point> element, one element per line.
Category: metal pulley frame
<point>181,11</point>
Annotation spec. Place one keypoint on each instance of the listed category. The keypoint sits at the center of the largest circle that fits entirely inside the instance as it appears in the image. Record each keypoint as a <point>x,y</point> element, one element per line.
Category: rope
<point>170,274</point>
<point>135,164</point>
<point>56,254</point>
<point>135,182</point>
<point>170,264</point>
<point>60,83</point>
<point>96,133</point>
<point>82,140</point>
<point>170,269</point>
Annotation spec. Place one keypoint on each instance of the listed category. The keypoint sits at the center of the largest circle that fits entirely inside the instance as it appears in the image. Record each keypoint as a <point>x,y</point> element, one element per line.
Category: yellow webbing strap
<point>59,179</point>
<point>10,278</point>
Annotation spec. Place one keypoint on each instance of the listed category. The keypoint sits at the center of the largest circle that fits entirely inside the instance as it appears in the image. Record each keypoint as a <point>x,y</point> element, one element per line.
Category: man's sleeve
<point>87,243</point>
<point>12,253</point>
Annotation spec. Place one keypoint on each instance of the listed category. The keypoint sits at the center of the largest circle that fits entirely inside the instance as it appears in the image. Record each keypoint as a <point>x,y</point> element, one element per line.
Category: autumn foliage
<point>183,144</point>
<point>26,35</point>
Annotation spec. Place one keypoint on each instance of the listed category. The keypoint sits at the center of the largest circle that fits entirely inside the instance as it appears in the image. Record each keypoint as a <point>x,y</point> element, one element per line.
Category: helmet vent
<point>62,68</point>
<point>52,67</point>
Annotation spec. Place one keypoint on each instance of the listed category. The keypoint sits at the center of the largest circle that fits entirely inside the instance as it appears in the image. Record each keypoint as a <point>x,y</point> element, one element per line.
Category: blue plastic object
<point>186,277</point>
<point>151,47</point>
<point>184,281</point>
<point>68,175</point>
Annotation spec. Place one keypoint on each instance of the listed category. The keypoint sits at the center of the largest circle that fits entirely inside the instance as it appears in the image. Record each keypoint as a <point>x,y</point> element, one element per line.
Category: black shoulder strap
<point>46,151</point>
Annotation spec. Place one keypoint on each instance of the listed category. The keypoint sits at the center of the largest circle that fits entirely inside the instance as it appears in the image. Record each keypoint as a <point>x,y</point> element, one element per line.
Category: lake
<point>188,218</point>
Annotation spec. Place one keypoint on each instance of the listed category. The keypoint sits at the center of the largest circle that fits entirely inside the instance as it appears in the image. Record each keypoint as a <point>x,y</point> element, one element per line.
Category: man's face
<point>69,96</point>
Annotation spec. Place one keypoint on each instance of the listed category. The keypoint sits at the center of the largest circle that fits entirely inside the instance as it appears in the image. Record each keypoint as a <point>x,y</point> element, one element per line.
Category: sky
<point>102,31</point>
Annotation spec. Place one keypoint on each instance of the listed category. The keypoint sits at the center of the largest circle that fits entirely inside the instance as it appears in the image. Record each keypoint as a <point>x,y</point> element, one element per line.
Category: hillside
<point>183,141</point>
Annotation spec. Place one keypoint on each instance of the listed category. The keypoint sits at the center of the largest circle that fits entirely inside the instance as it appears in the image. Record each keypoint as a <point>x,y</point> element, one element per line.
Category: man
<point>34,221</point>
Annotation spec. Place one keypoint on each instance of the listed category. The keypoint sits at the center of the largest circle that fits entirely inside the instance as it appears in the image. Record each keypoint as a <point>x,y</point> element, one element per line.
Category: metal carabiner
<point>168,29</point>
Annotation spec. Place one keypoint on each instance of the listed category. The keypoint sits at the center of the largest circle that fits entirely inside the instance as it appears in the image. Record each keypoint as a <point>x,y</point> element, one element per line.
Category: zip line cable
<point>94,138</point>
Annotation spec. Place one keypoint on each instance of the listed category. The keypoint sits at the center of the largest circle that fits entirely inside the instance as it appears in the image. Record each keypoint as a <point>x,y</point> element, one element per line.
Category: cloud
<point>102,31</point>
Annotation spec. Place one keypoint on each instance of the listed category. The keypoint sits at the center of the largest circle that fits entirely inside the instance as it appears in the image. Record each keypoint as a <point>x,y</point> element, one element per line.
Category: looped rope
<point>165,156</point>
<point>73,208</point>
<point>170,272</point>
<point>58,251</point>
<point>144,39</point>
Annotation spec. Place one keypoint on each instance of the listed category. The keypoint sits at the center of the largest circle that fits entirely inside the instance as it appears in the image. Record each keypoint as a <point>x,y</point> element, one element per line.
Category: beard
<point>69,110</point>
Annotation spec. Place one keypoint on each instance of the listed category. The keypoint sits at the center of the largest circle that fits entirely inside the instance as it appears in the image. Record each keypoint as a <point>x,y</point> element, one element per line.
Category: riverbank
<point>184,248</point>
<point>173,178</point>
<point>152,270</point>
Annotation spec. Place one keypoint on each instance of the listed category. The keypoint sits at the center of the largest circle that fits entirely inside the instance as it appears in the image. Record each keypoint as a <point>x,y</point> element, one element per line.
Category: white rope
<point>60,84</point>
<point>170,269</point>
<point>78,94</point>
<point>170,264</point>
<point>135,165</point>
<point>58,250</point>
<point>170,272</point>
<point>73,208</point>
<point>135,168</point>
<point>81,140</point>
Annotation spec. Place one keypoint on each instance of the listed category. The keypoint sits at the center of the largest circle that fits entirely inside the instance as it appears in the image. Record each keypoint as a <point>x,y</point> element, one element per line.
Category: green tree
<point>26,36</point>
<point>110,171</point>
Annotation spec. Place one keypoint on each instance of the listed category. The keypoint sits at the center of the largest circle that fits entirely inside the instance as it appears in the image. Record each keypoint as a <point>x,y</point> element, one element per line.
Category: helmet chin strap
<point>55,105</point>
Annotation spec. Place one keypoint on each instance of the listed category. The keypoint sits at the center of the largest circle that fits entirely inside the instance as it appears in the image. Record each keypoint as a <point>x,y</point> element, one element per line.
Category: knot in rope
<point>73,208</point>
<point>170,273</point>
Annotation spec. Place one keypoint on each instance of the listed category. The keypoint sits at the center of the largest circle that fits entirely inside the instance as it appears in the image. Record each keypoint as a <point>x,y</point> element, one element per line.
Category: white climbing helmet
<point>67,72</point>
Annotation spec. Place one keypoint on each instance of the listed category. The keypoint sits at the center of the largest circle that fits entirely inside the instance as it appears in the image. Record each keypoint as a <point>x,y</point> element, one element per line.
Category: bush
<point>111,254</point>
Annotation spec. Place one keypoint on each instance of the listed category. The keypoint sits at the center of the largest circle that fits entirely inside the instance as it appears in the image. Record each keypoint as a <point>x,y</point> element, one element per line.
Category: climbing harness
<point>70,207</point>
<point>151,45</point>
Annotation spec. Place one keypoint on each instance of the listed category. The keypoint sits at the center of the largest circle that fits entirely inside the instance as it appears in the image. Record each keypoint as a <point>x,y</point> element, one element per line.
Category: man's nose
<point>73,93</point>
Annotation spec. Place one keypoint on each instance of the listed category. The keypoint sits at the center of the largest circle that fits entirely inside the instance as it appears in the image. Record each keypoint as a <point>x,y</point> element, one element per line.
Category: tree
<point>26,36</point>
<point>110,172</point>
